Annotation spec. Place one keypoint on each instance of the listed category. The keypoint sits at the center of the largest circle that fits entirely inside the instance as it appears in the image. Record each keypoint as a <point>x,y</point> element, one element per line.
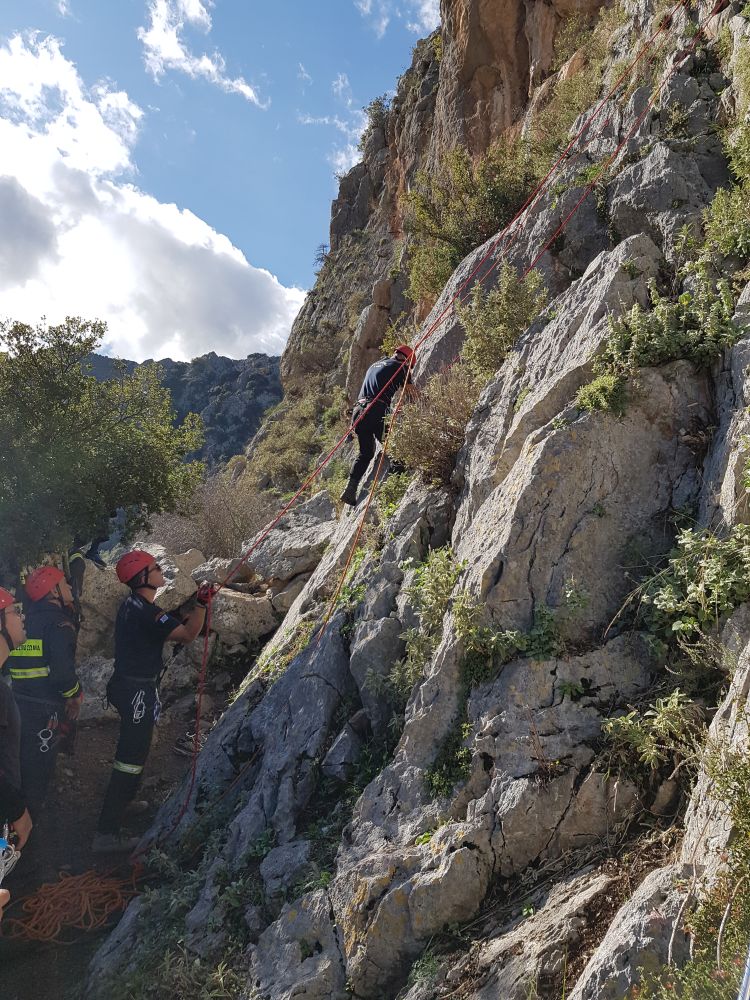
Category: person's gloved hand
<point>205,592</point>
<point>73,706</point>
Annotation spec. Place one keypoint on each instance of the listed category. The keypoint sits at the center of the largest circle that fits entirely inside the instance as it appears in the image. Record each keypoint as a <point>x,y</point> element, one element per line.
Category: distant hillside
<point>230,396</point>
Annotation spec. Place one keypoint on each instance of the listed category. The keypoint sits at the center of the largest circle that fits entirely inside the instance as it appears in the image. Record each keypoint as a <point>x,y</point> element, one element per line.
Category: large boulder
<point>242,618</point>
<point>102,596</point>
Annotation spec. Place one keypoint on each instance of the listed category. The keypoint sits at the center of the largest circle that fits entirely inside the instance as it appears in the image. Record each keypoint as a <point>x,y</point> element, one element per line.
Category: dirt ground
<point>61,841</point>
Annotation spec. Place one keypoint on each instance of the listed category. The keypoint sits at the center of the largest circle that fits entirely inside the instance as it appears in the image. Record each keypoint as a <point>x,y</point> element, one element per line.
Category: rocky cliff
<point>458,788</point>
<point>230,396</point>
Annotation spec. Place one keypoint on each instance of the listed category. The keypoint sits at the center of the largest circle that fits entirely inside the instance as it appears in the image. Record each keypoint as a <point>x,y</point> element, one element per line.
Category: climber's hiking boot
<point>137,807</point>
<point>114,843</point>
<point>349,496</point>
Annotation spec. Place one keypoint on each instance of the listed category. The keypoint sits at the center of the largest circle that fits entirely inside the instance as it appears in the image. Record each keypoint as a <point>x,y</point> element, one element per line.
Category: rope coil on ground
<point>76,902</point>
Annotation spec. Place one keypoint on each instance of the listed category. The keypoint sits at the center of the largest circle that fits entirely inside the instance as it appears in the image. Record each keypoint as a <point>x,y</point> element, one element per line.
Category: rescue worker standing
<point>141,630</point>
<point>381,382</point>
<point>13,810</point>
<point>45,684</point>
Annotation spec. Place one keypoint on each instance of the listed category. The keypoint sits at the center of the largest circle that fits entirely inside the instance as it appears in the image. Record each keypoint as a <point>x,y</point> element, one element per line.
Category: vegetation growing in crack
<point>430,591</point>
<point>494,320</point>
<point>682,607</point>
<point>720,926</point>
<point>485,651</point>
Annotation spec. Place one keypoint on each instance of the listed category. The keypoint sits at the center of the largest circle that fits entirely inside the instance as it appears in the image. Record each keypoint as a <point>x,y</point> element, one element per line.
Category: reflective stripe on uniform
<point>73,691</point>
<point>32,647</point>
<point>127,768</point>
<point>24,673</point>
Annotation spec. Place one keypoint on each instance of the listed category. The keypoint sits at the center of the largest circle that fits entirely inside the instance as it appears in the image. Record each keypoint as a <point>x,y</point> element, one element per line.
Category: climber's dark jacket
<point>43,667</point>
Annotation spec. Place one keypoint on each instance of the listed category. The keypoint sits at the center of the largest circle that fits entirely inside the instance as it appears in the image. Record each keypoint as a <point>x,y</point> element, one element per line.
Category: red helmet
<point>133,563</point>
<point>406,351</point>
<point>42,581</point>
<point>6,599</point>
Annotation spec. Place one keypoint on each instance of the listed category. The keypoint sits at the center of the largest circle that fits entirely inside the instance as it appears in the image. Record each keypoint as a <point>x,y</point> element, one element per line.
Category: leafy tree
<point>74,449</point>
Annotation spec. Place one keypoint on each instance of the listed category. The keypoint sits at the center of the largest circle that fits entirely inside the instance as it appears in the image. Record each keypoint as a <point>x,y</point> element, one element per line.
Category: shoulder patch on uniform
<point>162,618</point>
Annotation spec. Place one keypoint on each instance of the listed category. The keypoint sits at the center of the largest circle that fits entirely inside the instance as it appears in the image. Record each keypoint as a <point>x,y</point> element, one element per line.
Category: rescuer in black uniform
<point>45,684</point>
<point>381,382</point>
<point>13,810</point>
<point>141,630</point>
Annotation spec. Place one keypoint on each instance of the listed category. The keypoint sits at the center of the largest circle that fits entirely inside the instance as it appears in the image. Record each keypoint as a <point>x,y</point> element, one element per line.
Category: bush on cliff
<point>75,448</point>
<point>460,206</point>
<point>429,431</point>
<point>494,321</point>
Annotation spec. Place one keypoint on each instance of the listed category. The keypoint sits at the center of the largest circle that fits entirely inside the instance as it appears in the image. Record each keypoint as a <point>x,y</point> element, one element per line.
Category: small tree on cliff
<point>73,448</point>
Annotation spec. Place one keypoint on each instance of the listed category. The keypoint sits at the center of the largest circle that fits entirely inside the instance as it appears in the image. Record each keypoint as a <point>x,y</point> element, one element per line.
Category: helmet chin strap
<point>145,585</point>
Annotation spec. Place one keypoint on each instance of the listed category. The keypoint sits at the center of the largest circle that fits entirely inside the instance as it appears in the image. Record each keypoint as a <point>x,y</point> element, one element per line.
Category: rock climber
<point>141,630</point>
<point>13,809</point>
<point>381,382</point>
<point>45,684</point>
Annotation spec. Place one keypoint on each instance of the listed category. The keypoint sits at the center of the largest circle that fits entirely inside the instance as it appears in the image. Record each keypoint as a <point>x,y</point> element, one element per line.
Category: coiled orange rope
<point>77,902</point>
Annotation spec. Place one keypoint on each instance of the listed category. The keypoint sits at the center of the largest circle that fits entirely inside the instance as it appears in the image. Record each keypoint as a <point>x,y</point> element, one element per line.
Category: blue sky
<point>167,165</point>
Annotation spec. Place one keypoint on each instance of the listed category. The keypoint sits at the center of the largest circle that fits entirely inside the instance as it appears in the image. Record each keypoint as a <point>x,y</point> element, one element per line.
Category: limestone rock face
<point>242,618</point>
<point>297,542</point>
<point>638,938</point>
<point>532,951</point>
<point>300,954</point>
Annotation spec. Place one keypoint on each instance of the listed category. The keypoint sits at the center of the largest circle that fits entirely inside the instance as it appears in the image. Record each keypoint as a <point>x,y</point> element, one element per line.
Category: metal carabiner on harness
<point>8,854</point>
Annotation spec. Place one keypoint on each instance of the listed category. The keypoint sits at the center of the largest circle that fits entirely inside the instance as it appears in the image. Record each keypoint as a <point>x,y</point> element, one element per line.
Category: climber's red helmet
<point>406,351</point>
<point>132,564</point>
<point>43,581</point>
<point>12,630</point>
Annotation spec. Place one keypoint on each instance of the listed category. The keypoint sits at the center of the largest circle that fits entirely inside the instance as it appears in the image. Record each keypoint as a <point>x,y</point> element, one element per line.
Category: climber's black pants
<point>369,431</point>
<point>39,748</point>
<point>138,705</point>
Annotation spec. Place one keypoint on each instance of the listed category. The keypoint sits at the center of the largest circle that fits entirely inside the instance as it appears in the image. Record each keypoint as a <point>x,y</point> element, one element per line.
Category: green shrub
<point>430,591</point>
<point>727,223</point>
<point>495,320</point>
<point>696,327</point>
<point>605,392</point>
<point>377,117</point>
<point>391,492</point>
<point>706,577</point>
<point>669,732</point>
<point>460,206</point>
<point>429,431</point>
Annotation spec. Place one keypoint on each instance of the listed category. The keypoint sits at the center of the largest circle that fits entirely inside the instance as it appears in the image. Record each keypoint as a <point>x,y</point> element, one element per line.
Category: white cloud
<point>421,16</point>
<point>350,123</point>
<point>342,89</point>
<point>165,48</point>
<point>63,8</point>
<point>80,238</point>
<point>303,75</point>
